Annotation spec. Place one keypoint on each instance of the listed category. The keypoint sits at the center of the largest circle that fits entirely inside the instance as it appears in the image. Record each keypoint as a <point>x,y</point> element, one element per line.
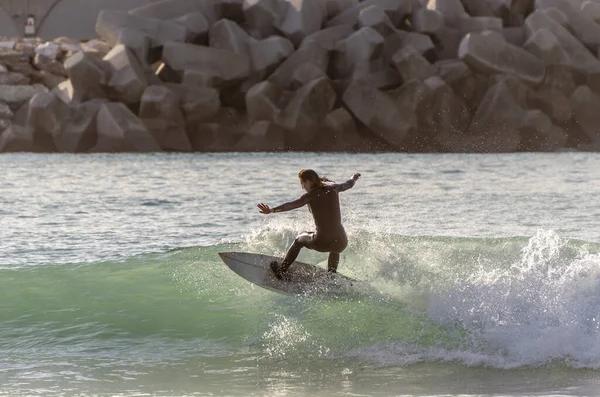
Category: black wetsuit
<point>323,202</point>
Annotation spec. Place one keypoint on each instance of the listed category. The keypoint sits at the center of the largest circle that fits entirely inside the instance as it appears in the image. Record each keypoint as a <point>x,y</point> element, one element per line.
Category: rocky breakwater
<point>263,75</point>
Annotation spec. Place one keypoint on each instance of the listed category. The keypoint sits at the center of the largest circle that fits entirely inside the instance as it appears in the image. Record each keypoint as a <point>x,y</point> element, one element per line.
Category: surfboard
<point>303,278</point>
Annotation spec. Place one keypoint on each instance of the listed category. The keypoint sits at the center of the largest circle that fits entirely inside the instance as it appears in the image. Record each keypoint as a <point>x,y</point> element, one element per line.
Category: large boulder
<point>396,11</point>
<point>582,26</point>
<point>261,16</point>
<point>412,65</point>
<point>306,111</point>
<point>310,53</point>
<point>374,17</point>
<point>110,22</point>
<point>78,134</point>
<point>262,101</point>
<point>328,38</point>
<point>581,59</point>
<point>198,104</point>
<point>489,54</point>
<point>128,81</point>
<point>364,45</point>
<point>17,95</point>
<point>17,139</point>
<point>46,116</point>
<point>120,130</point>
<point>301,18</point>
<point>226,67</point>
<point>585,108</point>
<point>88,78</point>
<point>377,111</point>
<point>267,54</point>
<point>262,136</point>
<point>162,116</point>
<point>172,9</point>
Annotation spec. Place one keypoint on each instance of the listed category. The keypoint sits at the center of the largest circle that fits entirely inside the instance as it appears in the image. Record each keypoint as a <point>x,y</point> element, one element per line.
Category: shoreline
<point>339,76</point>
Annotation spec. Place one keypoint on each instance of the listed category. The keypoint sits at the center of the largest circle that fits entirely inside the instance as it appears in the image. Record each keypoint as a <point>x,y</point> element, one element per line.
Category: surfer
<point>323,202</point>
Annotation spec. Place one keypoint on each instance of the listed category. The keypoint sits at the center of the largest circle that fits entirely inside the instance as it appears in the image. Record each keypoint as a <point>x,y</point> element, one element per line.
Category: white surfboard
<point>303,277</point>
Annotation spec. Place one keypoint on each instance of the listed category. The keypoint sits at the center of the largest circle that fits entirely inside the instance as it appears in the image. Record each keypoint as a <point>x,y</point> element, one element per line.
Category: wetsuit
<point>324,204</point>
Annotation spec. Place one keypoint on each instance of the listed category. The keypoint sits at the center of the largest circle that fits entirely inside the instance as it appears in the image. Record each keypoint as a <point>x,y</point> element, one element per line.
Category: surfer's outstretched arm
<point>292,205</point>
<point>340,187</point>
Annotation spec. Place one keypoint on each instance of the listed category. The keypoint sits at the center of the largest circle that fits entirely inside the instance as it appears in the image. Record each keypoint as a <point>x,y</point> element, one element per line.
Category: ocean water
<point>480,275</point>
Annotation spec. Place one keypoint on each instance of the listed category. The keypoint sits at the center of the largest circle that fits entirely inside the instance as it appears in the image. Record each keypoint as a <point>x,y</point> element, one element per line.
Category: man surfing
<point>324,205</point>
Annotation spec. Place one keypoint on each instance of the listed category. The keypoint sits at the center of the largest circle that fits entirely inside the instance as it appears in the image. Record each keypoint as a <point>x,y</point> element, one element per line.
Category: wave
<point>500,302</point>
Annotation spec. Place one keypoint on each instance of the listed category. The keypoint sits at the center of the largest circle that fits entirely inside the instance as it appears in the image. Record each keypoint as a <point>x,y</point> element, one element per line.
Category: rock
<point>221,135</point>
<point>306,111</point>
<point>267,54</point>
<point>301,18</point>
<point>396,11</point>
<point>17,95</point>
<point>306,73</point>
<point>261,16</point>
<point>12,78</point>
<point>195,78</point>
<point>335,7</point>
<point>199,104</point>
<point>196,27</point>
<point>585,104</point>
<point>363,45</point>
<point>440,112</point>
<point>119,130</point>
<point>78,134</point>
<point>128,81</point>
<point>378,72</point>
<point>5,111</point>
<point>262,101</point>
<point>487,54</point>
<point>228,35</point>
<point>328,38</point>
<point>543,44</point>
<point>514,35</point>
<point>496,122</point>
<point>224,66</point>
<point>49,50</point>
<point>427,21</point>
<point>468,25</point>
<point>377,111</point>
<point>46,115</point>
<point>447,43</point>
<point>538,134</point>
<point>160,113</point>
<point>88,77</point>
<point>374,17</point>
<point>110,22</point>
<point>592,10</point>
<point>140,44</point>
<point>581,59</point>
<point>400,39</point>
<point>171,9</point>
<point>310,53</point>
<point>16,139</point>
<point>452,10</point>
<point>582,26</point>
<point>96,47</point>
<point>262,136</point>
<point>41,62</point>
<point>339,133</point>
<point>412,65</point>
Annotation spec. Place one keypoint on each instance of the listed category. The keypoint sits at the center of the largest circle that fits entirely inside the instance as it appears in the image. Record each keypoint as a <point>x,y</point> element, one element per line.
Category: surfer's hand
<point>356,176</point>
<point>264,209</point>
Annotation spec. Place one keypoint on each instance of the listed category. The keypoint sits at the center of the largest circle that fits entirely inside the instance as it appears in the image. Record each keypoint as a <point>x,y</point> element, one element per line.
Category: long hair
<point>313,177</point>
